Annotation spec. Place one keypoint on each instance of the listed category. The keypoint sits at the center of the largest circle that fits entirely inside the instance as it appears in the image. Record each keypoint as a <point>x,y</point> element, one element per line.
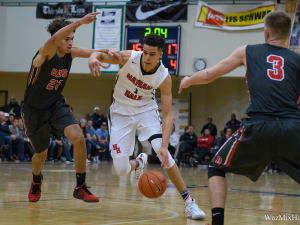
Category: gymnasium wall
<point>24,34</point>
<point>21,35</point>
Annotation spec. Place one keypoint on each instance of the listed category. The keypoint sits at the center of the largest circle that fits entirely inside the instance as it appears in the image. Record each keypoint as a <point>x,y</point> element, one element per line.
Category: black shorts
<point>41,124</point>
<point>259,141</point>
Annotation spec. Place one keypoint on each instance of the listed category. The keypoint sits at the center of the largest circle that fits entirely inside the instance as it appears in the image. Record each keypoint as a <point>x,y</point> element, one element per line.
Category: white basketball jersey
<point>134,91</point>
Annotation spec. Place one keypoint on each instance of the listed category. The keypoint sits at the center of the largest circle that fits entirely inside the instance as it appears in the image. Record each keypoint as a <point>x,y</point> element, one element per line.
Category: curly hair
<point>57,24</point>
<point>155,40</point>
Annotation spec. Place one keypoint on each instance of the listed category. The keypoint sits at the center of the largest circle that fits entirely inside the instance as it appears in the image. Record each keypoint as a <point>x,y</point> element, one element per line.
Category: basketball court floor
<point>273,199</point>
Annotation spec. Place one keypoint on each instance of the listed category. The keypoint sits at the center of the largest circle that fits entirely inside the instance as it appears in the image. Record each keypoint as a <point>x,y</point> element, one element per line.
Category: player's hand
<point>115,53</point>
<point>163,155</point>
<point>88,18</point>
<point>94,65</point>
<point>184,83</point>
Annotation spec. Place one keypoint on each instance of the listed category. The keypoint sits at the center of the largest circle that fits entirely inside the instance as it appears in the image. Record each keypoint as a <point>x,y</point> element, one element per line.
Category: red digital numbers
<point>137,47</point>
<point>173,63</point>
<point>171,47</point>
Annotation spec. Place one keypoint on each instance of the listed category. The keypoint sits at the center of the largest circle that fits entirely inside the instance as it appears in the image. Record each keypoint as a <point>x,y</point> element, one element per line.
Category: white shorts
<point>123,131</point>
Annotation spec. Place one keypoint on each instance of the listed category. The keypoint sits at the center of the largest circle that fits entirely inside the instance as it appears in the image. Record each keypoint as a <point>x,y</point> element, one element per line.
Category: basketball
<point>152,184</point>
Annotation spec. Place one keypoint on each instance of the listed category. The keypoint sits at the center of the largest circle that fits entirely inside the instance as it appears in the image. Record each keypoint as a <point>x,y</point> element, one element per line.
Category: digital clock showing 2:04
<point>134,37</point>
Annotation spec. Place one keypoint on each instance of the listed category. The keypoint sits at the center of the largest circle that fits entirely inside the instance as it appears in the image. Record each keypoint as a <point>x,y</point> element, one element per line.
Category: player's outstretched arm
<point>50,46</point>
<point>97,58</point>
<point>236,59</point>
<point>168,119</point>
<point>86,53</point>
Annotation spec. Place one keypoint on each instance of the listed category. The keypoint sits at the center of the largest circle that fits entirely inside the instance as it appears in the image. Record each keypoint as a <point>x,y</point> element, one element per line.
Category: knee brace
<point>122,165</point>
<point>212,171</point>
<point>156,144</point>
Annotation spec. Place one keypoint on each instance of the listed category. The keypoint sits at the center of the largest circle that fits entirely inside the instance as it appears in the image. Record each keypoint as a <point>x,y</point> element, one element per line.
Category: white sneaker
<point>143,159</point>
<point>193,211</point>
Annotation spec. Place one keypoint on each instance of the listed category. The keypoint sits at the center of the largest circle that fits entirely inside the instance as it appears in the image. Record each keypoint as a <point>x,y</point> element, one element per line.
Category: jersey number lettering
<point>53,84</point>
<point>277,72</point>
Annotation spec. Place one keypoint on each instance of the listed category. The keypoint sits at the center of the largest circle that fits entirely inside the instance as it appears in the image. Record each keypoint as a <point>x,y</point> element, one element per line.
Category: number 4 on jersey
<point>277,72</point>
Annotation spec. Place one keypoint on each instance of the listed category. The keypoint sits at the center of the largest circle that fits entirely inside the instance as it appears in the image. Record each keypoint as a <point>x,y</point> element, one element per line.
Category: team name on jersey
<point>54,83</point>
<point>59,73</point>
<point>132,96</point>
<point>138,83</point>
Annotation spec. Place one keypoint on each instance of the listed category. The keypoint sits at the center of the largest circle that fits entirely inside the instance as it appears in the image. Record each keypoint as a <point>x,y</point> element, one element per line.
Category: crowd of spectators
<point>187,149</point>
<point>15,145</point>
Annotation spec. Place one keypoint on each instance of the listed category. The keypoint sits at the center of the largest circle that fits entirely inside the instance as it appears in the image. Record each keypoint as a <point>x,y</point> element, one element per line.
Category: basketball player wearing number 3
<point>272,133</point>
<point>134,109</point>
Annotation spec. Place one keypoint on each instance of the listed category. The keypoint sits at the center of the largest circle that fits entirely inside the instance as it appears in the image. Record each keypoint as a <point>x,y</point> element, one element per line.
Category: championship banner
<point>69,10</point>
<point>208,17</point>
<point>149,11</point>
<point>108,31</point>
<point>295,34</point>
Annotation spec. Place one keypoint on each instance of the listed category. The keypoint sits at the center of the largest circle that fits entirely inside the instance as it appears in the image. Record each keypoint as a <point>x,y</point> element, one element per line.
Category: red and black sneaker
<point>35,190</point>
<point>82,192</point>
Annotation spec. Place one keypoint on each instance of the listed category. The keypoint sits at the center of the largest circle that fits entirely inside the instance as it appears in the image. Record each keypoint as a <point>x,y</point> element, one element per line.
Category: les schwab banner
<point>208,17</point>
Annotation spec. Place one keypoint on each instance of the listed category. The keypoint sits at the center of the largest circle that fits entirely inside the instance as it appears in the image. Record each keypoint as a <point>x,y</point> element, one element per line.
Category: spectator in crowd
<point>11,119</point>
<point>205,144</point>
<point>233,123</point>
<point>90,134</point>
<point>102,139</point>
<point>59,148</point>
<point>173,142</point>
<point>90,138</point>
<point>17,140</point>
<point>5,138</point>
<point>212,127</point>
<point>28,151</point>
<point>96,118</point>
<point>13,107</point>
<point>6,118</point>
<point>188,142</point>
<point>223,138</point>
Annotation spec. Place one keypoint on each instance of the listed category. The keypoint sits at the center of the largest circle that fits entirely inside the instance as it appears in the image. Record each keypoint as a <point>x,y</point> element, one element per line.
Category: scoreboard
<point>134,41</point>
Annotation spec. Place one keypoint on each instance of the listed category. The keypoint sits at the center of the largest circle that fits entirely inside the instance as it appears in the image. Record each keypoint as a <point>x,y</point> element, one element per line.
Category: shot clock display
<point>134,41</point>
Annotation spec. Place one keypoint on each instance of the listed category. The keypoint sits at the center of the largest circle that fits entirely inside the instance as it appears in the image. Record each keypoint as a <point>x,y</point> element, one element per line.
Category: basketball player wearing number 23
<point>134,109</point>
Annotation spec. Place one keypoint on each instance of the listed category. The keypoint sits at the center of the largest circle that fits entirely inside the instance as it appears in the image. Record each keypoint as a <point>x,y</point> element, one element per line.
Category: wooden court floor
<point>273,199</point>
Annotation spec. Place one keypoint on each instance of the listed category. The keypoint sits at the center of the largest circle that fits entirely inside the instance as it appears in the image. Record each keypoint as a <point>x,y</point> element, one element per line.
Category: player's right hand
<point>94,65</point>
<point>88,18</point>
<point>184,83</point>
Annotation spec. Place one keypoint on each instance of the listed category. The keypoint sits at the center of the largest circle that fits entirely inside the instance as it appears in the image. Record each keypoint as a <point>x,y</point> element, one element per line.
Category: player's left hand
<point>163,155</point>
<point>88,18</point>
<point>184,83</point>
<point>94,65</point>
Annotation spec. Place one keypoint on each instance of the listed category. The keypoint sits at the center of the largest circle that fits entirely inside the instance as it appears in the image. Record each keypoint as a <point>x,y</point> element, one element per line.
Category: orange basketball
<point>152,184</point>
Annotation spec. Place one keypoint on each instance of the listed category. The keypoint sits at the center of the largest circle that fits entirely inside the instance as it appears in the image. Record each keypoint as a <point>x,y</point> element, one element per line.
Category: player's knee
<point>41,155</point>
<point>212,171</point>
<point>78,139</point>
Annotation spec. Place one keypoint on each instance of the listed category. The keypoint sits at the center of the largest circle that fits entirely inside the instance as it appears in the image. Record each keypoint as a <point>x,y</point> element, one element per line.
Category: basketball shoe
<point>82,192</point>
<point>35,190</point>
<point>143,159</point>
<point>193,211</point>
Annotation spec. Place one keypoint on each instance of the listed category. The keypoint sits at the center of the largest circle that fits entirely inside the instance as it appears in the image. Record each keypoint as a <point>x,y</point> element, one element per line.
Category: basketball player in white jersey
<point>134,109</point>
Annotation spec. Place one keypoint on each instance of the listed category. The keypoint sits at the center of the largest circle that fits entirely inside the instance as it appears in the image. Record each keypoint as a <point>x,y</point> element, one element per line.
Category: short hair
<point>155,41</point>
<point>279,23</point>
<point>57,24</point>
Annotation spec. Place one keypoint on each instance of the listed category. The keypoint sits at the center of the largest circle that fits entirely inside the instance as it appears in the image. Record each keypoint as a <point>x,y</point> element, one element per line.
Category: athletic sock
<point>217,216</point>
<point>186,196</point>
<point>80,179</point>
<point>37,178</point>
